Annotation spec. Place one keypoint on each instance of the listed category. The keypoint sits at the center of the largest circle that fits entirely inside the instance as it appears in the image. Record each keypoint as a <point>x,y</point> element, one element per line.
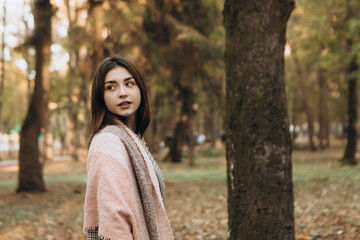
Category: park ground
<point>327,199</point>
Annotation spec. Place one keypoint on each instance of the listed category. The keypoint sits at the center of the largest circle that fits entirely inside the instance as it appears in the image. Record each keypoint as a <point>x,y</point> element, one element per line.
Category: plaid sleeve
<point>92,234</point>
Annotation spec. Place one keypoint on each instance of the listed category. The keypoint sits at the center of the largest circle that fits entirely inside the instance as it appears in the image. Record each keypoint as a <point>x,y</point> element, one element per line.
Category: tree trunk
<point>183,128</point>
<point>96,17</point>
<point>215,121</point>
<point>47,151</point>
<point>30,169</point>
<point>26,55</point>
<point>304,100</point>
<point>72,121</point>
<point>258,143</point>
<point>191,143</point>
<point>2,79</point>
<point>95,27</point>
<point>153,134</point>
<point>176,144</point>
<point>350,151</point>
<point>294,118</point>
<point>322,110</point>
<point>327,130</point>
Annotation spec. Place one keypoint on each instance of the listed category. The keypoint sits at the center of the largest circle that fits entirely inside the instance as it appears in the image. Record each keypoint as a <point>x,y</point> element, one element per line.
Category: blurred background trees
<point>179,46</point>
<point>319,81</point>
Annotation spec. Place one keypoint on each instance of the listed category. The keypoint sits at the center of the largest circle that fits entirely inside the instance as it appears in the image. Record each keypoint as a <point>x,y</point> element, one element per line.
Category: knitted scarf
<point>142,177</point>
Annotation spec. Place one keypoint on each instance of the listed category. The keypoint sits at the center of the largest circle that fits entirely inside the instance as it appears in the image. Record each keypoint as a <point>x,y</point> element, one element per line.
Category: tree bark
<point>350,150</point>
<point>258,142</point>
<point>30,169</point>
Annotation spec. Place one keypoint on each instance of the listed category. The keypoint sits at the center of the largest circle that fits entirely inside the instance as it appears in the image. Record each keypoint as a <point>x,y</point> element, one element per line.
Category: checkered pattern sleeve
<point>92,234</point>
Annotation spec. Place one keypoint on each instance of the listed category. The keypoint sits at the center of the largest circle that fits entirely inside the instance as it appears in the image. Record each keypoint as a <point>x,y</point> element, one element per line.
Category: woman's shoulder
<point>107,142</point>
<point>107,151</point>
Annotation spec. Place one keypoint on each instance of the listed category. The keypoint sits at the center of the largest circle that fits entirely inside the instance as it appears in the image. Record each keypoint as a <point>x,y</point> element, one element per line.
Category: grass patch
<point>69,179</point>
<point>326,199</point>
<point>323,166</point>
<point>194,175</point>
<point>48,180</point>
<point>205,169</point>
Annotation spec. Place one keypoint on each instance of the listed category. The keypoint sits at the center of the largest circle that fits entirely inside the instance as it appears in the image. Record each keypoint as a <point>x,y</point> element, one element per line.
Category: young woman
<point>125,187</point>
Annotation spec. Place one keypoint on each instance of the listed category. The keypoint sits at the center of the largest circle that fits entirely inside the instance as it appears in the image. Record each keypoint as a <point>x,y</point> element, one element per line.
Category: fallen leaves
<point>327,203</point>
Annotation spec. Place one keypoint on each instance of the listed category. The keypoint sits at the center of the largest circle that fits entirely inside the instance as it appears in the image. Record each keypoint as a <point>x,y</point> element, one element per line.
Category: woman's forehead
<point>117,73</point>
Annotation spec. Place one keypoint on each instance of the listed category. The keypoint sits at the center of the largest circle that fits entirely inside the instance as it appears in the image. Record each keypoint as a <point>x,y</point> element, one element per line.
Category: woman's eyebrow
<point>114,81</point>
<point>110,81</point>
<point>128,78</point>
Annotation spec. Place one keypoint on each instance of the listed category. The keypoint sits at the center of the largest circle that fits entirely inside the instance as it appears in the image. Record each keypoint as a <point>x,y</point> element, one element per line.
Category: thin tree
<point>304,98</point>
<point>258,142</point>
<point>350,151</point>
<point>95,53</point>
<point>30,171</point>
<point>72,122</point>
<point>2,79</point>
<point>323,115</point>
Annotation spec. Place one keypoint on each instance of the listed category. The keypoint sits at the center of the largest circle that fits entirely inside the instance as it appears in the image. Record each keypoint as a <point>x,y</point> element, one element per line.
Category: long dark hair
<point>100,116</point>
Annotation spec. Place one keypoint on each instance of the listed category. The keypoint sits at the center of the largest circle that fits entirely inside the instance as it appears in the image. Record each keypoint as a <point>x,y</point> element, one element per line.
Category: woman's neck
<point>130,122</point>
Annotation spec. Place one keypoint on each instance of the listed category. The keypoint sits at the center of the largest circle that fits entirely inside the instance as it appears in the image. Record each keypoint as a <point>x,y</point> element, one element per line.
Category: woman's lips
<point>124,105</point>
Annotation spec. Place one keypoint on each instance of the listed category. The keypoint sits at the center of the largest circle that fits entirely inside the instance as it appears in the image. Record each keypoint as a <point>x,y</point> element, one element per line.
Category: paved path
<point>16,162</point>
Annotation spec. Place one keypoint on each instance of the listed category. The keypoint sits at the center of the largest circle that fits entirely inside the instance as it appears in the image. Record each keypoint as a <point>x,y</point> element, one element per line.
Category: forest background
<point>179,46</point>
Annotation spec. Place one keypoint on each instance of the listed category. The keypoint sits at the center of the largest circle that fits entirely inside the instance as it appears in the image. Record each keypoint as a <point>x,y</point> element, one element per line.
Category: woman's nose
<point>122,92</point>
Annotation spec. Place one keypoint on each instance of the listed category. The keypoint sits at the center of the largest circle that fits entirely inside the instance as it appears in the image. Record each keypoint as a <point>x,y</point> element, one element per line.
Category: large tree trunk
<point>258,143</point>
<point>30,171</point>
<point>350,151</point>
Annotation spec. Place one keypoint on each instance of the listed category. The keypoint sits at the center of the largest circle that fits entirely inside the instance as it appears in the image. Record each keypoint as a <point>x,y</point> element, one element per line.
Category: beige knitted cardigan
<point>123,198</point>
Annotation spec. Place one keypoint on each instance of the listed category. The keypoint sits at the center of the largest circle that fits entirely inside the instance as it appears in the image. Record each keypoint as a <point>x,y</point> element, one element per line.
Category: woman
<point>125,188</point>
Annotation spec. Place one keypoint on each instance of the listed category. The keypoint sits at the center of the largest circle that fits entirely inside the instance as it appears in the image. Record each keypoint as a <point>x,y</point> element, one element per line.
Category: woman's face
<point>122,95</point>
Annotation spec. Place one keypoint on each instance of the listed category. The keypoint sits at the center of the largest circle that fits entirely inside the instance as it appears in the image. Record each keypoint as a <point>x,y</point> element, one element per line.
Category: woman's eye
<point>110,87</point>
<point>129,84</point>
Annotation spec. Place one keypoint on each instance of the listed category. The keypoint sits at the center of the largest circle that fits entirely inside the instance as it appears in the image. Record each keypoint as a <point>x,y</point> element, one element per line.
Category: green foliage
<point>320,31</point>
<point>190,52</point>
